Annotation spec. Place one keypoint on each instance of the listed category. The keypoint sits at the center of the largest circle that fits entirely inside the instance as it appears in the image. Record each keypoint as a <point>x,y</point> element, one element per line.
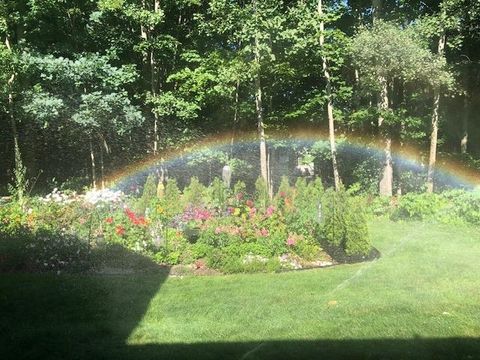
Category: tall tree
<point>328,89</point>
<point>388,55</point>
<point>435,115</point>
<point>85,96</point>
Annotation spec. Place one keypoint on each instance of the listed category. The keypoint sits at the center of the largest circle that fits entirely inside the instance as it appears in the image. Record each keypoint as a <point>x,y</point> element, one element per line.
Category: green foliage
<point>218,193</point>
<point>171,201</point>
<point>56,251</point>
<point>367,175</point>
<point>284,188</point>
<point>418,206</point>
<point>149,193</point>
<point>302,217</point>
<point>261,193</point>
<point>239,190</point>
<point>391,52</point>
<point>344,223</point>
<point>194,193</point>
<point>450,207</point>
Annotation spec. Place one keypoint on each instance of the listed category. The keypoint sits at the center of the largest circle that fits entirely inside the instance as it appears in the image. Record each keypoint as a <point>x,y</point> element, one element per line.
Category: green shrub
<point>262,197</point>
<point>464,206</point>
<point>450,207</point>
<point>218,193</point>
<point>307,249</point>
<point>243,259</point>
<point>424,206</point>
<point>149,193</point>
<point>172,200</point>
<point>195,193</point>
<point>303,215</point>
<point>200,250</point>
<point>344,223</point>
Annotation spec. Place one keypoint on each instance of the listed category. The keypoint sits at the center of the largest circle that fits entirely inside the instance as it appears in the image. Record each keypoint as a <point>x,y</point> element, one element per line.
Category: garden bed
<point>200,230</point>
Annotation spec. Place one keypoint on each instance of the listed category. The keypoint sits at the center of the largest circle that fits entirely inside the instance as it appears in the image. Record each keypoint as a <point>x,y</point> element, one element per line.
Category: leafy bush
<point>419,206</point>
<point>302,211</point>
<point>344,223</point>
<point>194,193</point>
<point>451,207</point>
<point>262,196</point>
<point>149,193</point>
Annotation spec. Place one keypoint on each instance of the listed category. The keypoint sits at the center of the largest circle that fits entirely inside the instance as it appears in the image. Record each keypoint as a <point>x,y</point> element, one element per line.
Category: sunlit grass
<point>425,285</point>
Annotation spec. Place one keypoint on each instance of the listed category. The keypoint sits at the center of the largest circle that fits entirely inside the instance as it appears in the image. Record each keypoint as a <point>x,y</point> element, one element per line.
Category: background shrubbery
<point>449,207</point>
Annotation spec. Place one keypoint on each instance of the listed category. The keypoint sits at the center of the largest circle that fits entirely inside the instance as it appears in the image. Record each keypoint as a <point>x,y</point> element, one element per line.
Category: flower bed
<point>228,230</point>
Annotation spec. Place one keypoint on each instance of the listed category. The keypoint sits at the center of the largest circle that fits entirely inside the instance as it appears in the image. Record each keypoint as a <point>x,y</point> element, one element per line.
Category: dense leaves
<point>135,77</point>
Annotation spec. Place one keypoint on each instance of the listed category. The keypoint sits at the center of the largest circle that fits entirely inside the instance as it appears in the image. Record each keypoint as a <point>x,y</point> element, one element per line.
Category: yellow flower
<point>160,210</point>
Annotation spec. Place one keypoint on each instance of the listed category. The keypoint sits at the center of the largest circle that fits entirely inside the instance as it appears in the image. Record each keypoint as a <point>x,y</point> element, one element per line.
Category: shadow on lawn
<point>92,316</point>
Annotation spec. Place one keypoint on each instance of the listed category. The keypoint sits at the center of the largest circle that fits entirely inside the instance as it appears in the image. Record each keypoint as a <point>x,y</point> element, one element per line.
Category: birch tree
<point>328,89</point>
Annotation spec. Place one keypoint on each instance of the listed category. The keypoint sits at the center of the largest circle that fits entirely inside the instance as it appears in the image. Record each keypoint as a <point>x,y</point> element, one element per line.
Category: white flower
<point>106,195</point>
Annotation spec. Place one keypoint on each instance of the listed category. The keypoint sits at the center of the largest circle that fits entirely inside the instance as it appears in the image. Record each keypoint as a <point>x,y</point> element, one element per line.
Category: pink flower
<point>252,212</point>
<point>283,194</point>
<point>239,196</point>
<point>270,211</point>
<point>201,214</point>
<point>234,231</point>
<point>218,230</point>
<point>264,232</point>
<point>230,210</point>
<point>291,241</point>
<point>249,203</point>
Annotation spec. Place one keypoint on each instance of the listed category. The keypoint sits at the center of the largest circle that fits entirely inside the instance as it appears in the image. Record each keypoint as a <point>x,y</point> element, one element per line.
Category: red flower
<point>131,215</point>
<point>136,220</point>
<point>283,194</point>
<point>109,220</point>
<point>250,203</point>
<point>139,221</point>
<point>120,230</point>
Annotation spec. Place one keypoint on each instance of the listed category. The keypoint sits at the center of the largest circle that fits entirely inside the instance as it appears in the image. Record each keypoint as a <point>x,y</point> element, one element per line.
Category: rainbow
<point>461,175</point>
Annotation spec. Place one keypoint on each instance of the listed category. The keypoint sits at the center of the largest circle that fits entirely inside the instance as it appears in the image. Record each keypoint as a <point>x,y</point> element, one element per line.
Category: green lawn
<point>421,299</point>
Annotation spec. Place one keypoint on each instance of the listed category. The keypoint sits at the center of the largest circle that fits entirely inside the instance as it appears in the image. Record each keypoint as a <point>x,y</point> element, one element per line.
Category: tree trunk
<point>259,110</point>
<point>235,116</point>
<point>269,175</point>
<point>434,134</point>
<point>102,168</point>
<point>466,116</point>
<point>386,181</point>
<point>377,8</point>
<point>103,147</point>
<point>13,126</point>
<point>331,120</point>
<point>92,161</point>
<point>144,33</point>
<point>154,87</point>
